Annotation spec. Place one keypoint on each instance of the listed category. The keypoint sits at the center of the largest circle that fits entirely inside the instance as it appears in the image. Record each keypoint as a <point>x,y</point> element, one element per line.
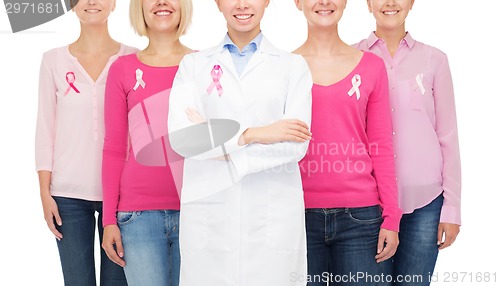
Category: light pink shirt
<point>70,124</point>
<point>425,125</point>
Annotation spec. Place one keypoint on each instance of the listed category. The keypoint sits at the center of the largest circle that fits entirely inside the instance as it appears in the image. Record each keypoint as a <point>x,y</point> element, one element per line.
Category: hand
<point>51,214</point>
<point>194,116</point>
<point>111,238</point>
<point>388,242</point>
<point>292,130</point>
<point>450,232</point>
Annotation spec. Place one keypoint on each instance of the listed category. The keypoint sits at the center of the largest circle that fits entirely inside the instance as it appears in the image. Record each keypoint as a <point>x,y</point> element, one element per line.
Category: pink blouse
<point>425,125</point>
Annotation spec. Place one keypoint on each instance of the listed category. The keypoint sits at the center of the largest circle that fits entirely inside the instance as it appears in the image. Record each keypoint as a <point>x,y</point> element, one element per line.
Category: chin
<point>243,29</point>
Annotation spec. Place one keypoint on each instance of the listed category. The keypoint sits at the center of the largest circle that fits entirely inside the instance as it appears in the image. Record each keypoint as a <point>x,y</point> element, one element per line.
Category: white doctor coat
<point>242,221</point>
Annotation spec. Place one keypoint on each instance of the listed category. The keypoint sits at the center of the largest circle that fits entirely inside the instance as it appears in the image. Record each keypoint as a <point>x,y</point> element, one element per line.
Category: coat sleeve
<point>255,158</point>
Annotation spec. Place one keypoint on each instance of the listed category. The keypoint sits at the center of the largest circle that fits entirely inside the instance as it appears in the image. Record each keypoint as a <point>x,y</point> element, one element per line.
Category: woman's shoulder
<point>433,51</point>
<point>126,50</point>
<point>372,61</point>
<point>126,53</point>
<point>56,53</point>
<point>371,58</point>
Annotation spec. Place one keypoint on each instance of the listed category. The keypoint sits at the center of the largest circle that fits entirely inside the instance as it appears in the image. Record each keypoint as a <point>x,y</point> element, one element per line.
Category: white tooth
<point>243,17</point>
<point>163,13</point>
<point>391,12</point>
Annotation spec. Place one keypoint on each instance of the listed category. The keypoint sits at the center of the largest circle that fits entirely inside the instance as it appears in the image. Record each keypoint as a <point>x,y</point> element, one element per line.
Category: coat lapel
<point>227,64</point>
<point>220,56</point>
<point>259,57</point>
<point>255,61</point>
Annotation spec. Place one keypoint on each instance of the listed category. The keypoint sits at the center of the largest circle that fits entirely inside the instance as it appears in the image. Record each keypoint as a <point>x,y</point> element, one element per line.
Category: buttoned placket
<point>392,68</point>
<point>95,99</point>
<point>391,73</point>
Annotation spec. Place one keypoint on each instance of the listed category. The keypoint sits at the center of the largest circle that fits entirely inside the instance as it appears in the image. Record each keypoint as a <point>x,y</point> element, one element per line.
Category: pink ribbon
<point>216,76</point>
<point>70,79</point>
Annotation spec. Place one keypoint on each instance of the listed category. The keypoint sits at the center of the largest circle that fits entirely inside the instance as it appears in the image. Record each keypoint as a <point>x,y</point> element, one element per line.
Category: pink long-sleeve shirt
<point>350,160</point>
<point>425,125</point>
<point>70,124</point>
<point>139,168</point>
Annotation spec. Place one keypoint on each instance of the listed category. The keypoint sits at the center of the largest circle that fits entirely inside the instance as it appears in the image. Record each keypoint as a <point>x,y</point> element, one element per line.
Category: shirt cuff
<point>450,214</point>
<point>392,218</point>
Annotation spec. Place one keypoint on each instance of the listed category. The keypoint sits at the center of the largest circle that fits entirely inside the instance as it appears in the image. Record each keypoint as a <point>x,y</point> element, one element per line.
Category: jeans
<point>151,247</point>
<point>341,247</point>
<point>76,249</point>
<point>417,252</point>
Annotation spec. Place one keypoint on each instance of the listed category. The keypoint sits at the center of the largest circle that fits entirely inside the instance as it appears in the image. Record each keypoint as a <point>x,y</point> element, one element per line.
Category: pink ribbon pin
<point>356,83</point>
<point>216,76</point>
<point>70,79</point>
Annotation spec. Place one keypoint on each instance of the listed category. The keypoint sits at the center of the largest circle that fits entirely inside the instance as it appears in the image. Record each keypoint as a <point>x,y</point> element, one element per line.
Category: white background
<point>465,30</point>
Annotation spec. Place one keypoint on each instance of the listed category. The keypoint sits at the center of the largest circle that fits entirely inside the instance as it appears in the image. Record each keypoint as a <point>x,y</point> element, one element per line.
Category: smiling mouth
<point>163,13</point>
<point>92,11</point>
<point>325,12</point>
<point>392,12</point>
<point>243,16</point>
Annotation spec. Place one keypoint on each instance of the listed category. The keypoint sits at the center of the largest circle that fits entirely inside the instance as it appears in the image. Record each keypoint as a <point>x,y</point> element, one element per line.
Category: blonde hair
<point>139,25</point>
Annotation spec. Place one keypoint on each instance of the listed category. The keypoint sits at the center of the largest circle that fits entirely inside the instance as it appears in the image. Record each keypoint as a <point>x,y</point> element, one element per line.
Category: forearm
<point>44,178</point>
<point>260,157</point>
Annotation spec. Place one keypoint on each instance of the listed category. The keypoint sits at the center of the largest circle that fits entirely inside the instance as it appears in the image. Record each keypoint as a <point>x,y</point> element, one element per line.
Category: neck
<point>163,44</point>
<point>94,38</point>
<point>324,41</point>
<point>391,37</point>
<point>241,39</point>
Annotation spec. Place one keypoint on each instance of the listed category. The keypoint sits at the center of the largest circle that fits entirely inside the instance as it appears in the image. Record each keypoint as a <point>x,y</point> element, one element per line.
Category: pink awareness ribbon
<point>420,82</point>
<point>216,76</point>
<point>70,79</point>
<point>356,83</point>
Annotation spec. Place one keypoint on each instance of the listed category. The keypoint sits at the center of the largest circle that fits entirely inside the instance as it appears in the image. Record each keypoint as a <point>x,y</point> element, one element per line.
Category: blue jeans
<point>417,251</point>
<point>151,245</point>
<point>341,247</point>
<point>76,249</point>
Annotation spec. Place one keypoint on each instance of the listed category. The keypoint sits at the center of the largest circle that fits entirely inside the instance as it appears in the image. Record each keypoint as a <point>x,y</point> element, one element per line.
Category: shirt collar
<point>252,46</point>
<point>408,39</point>
<point>373,39</point>
<point>265,47</point>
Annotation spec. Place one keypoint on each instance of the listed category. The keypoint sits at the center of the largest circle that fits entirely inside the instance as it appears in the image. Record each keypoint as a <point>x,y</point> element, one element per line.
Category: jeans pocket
<point>366,215</point>
<point>124,218</point>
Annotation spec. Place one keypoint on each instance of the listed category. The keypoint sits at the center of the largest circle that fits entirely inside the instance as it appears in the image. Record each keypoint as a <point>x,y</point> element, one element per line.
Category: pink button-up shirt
<point>70,124</point>
<point>425,125</point>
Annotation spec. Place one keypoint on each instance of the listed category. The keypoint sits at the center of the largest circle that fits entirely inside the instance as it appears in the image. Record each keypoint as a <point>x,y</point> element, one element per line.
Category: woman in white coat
<point>242,209</point>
